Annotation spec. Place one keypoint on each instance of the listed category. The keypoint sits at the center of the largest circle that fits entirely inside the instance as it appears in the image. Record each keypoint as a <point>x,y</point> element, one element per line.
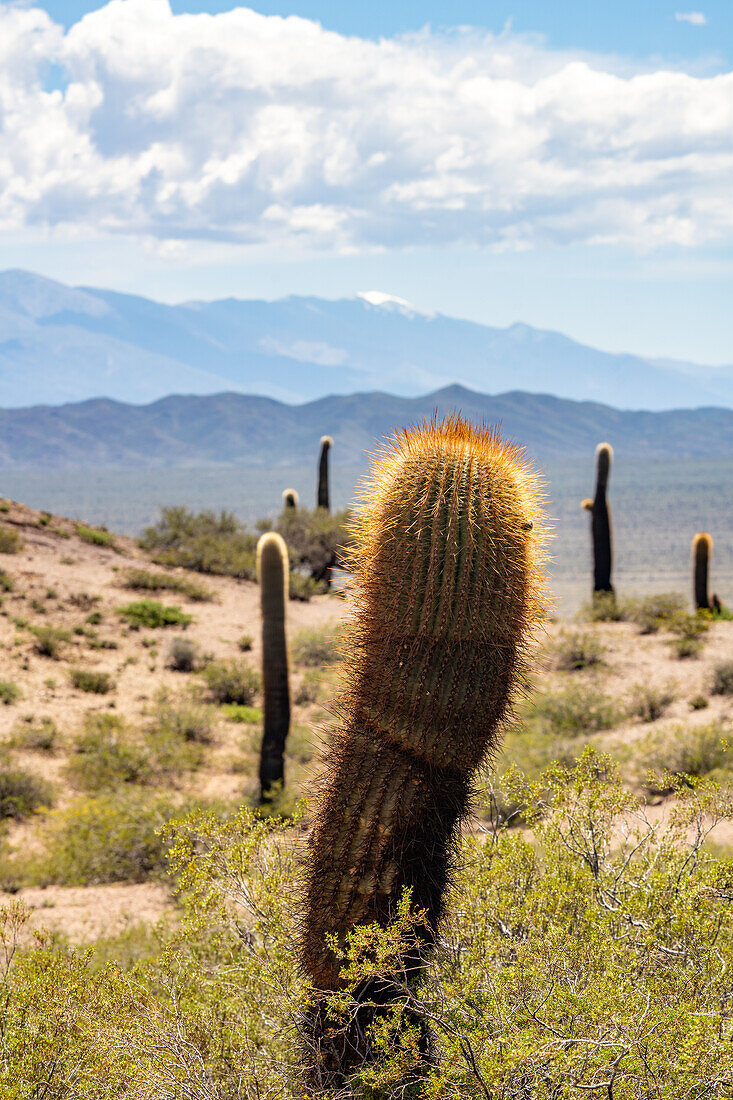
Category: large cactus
<point>290,498</point>
<point>601,522</point>
<point>447,587</point>
<point>273,576</point>
<point>702,552</point>
<point>324,499</point>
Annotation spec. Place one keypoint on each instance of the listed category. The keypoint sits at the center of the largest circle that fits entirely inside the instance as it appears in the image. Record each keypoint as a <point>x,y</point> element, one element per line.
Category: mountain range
<point>67,344</point>
<point>231,429</point>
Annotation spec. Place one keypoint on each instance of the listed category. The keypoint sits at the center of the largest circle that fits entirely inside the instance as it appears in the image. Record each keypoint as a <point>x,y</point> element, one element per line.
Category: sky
<point>569,165</point>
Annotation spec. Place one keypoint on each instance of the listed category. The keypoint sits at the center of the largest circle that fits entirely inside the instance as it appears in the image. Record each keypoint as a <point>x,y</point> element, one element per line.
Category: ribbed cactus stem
<point>601,522</point>
<point>702,551</point>
<point>273,577</point>
<point>324,499</point>
<point>290,498</point>
<point>447,589</point>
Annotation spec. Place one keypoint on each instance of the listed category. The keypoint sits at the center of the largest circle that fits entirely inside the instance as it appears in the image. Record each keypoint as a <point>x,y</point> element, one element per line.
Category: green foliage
<point>604,607</point>
<point>683,751</point>
<point>92,681</point>
<point>576,710</point>
<point>311,688</point>
<point>49,641</point>
<point>145,580</point>
<point>6,582</point>
<point>244,643</point>
<point>722,683</point>
<point>649,702</point>
<point>97,536</point>
<point>10,540</point>
<point>22,794</point>
<point>576,650</point>
<point>36,736</point>
<point>183,718</point>
<point>236,712</point>
<point>656,612</point>
<point>183,655</point>
<point>9,692</point>
<point>105,755</point>
<point>317,540</point>
<point>231,682</point>
<point>153,614</point>
<point>204,542</point>
<point>317,648</point>
<point>699,702</point>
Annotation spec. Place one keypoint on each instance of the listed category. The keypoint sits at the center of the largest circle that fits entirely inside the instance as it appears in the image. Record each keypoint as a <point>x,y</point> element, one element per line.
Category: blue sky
<point>566,165</point>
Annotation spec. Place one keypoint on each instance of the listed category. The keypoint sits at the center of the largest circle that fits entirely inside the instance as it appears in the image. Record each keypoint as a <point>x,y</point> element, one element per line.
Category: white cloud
<point>696,18</point>
<point>306,351</point>
<point>269,131</point>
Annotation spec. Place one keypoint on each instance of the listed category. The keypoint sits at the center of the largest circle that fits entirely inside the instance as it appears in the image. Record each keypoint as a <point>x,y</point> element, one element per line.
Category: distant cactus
<point>290,498</point>
<point>702,552</point>
<point>273,577</point>
<point>447,586</point>
<point>601,522</point>
<point>324,499</point>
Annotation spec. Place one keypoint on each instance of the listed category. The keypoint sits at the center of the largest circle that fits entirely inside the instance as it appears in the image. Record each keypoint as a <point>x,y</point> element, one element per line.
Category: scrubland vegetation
<point>587,942</point>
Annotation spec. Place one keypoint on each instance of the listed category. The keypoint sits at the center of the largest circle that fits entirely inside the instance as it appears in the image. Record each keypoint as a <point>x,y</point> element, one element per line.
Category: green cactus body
<point>324,500</point>
<point>290,498</point>
<point>447,587</point>
<point>702,551</point>
<point>601,522</point>
<point>273,576</point>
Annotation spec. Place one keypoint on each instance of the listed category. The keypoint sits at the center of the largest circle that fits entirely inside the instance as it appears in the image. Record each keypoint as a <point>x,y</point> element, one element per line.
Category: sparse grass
<point>92,681</point>
<point>649,702</point>
<point>231,682</point>
<point>10,540</point>
<point>577,650</point>
<point>722,681</point>
<point>97,536</point>
<point>49,641</point>
<point>9,692</point>
<point>685,751</point>
<point>23,794</point>
<point>145,580</point>
<point>36,736</point>
<point>237,712</point>
<point>153,614</point>
<point>317,648</point>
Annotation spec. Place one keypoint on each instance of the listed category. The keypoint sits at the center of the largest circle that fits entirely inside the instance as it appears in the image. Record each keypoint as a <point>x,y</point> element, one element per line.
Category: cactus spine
<point>447,587</point>
<point>273,577</point>
<point>601,522</point>
<point>324,499</point>
<point>290,498</point>
<point>702,552</point>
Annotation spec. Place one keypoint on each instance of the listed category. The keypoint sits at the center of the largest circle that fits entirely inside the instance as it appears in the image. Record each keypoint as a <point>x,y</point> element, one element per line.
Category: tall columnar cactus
<point>447,588</point>
<point>601,522</point>
<point>290,498</point>
<point>702,552</point>
<point>324,499</point>
<point>273,576</point>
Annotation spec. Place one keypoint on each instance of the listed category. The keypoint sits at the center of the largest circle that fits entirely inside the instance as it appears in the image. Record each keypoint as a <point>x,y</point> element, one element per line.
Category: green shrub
<point>32,736</point>
<point>112,838</point>
<point>656,612</point>
<point>575,651</point>
<point>245,643</point>
<point>310,689</point>
<point>97,536</point>
<point>231,682</point>
<point>94,618</point>
<point>153,614</point>
<point>9,692</point>
<point>317,540</point>
<point>699,702</point>
<point>144,580</point>
<point>10,540</point>
<point>236,712</point>
<point>649,703</point>
<point>105,755</point>
<point>49,641</point>
<point>6,582</point>
<point>183,655</point>
<point>22,794</point>
<point>92,681</point>
<point>603,607</point>
<point>722,683</point>
<point>685,751</point>
<point>317,648</point>
<point>576,710</point>
<point>204,542</point>
<point>184,718</point>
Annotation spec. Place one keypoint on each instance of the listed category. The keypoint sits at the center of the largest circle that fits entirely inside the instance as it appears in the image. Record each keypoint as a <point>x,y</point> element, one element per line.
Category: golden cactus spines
<point>273,576</point>
<point>290,498</point>
<point>448,585</point>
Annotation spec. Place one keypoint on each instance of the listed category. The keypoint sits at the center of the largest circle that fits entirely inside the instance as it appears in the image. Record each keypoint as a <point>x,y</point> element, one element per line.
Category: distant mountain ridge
<point>230,429</point>
<point>62,344</point>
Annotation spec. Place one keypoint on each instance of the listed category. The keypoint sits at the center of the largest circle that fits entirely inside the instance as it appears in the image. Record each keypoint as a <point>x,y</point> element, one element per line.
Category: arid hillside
<point>131,694</point>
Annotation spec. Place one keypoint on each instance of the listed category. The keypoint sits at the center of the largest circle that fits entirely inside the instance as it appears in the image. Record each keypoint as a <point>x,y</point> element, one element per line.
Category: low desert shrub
<point>106,755</point>
<point>236,712</point>
<point>182,718</point>
<point>231,682</point>
<point>97,536</point>
<point>6,582</point>
<point>145,580</point>
<point>36,736</point>
<point>317,648</point>
<point>722,680</point>
<point>153,614</point>
<point>244,642</point>
<point>183,655</point>
<point>9,692</point>
<point>22,794</point>
<point>10,540</point>
<point>204,542</point>
<point>656,612</point>
<point>576,710</point>
<point>49,641</point>
<point>91,681</point>
<point>574,651</point>
<point>649,702</point>
<point>685,751</point>
<point>603,607</point>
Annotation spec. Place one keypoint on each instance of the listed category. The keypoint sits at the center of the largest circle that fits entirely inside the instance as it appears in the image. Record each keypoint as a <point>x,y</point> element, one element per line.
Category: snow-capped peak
<point>390,301</point>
